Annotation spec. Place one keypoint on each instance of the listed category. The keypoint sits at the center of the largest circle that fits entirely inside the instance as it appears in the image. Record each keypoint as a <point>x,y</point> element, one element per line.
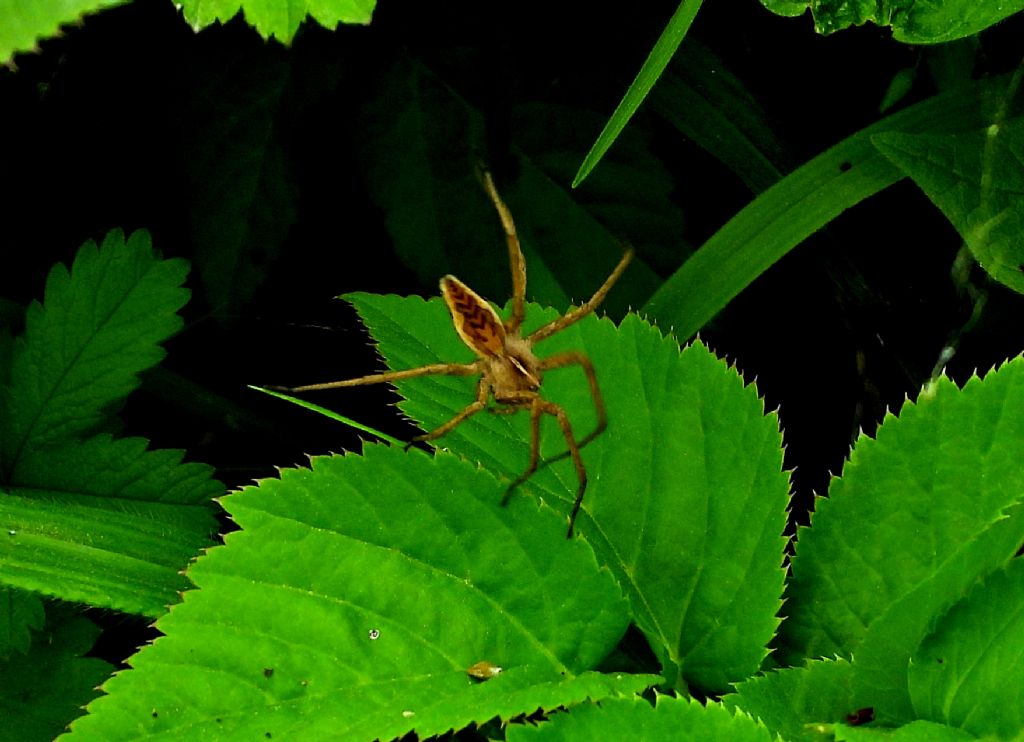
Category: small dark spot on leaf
<point>861,716</point>
<point>844,167</point>
<point>155,713</point>
<point>374,634</point>
<point>268,671</point>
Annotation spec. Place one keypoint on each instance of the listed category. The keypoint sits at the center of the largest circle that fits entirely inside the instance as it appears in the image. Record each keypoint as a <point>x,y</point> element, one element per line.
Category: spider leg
<point>536,410</point>
<point>483,389</point>
<point>541,407</point>
<point>434,369</point>
<point>575,315</point>
<point>517,264</point>
<point>574,451</point>
<point>574,357</point>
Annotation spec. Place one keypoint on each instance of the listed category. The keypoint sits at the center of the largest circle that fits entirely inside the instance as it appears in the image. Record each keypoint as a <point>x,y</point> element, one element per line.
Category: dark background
<point>262,165</point>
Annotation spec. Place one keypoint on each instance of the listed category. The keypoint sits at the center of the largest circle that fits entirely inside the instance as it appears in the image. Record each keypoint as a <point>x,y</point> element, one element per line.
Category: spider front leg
<point>482,392</point>
<point>516,262</point>
<point>573,316</point>
<point>435,369</point>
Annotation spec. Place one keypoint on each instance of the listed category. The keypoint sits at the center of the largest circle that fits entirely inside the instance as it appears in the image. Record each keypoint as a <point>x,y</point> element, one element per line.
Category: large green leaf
<point>93,519</point>
<point>912,21</point>
<point>919,514</point>
<point>106,523</point>
<point>353,601</point>
<point>635,718</point>
<point>43,690</point>
<point>83,350</point>
<point>968,672</point>
<point>976,179</point>
<point>795,701</point>
<point>26,23</point>
<point>686,501</point>
<point>273,18</point>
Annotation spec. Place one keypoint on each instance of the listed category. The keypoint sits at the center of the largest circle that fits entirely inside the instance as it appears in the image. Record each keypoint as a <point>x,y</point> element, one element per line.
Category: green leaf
<point>99,551</point>
<point>352,602</point>
<point>43,690</point>
<point>239,193</point>
<point>107,523</point>
<point>968,672</point>
<point>97,520</point>
<point>900,85</point>
<point>975,179</point>
<point>82,352</point>
<point>686,497</point>
<point>912,21</point>
<point>795,701</point>
<point>20,612</point>
<point>103,467</point>
<point>916,731</point>
<point>799,205</point>
<point>26,23</point>
<point>275,19</point>
<point>651,70</point>
<point>920,513</point>
<point>670,718</point>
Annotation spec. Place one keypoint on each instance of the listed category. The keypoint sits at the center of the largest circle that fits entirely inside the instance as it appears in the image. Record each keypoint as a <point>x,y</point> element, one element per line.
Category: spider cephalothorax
<point>509,370</point>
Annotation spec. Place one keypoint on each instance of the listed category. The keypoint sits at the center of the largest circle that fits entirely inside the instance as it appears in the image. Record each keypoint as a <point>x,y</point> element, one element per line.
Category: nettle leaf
<point>20,613</point>
<point>968,672</point>
<point>273,18</point>
<point>82,352</point>
<point>669,719</point>
<point>106,522</point>
<point>44,689</point>
<point>97,520</point>
<point>355,598</point>
<point>921,512</point>
<point>26,23</point>
<point>976,180</point>
<point>912,21</point>
<point>686,497</point>
<point>794,701</point>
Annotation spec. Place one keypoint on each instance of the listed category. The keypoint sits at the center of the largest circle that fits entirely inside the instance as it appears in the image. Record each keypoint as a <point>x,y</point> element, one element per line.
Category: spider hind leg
<point>539,407</point>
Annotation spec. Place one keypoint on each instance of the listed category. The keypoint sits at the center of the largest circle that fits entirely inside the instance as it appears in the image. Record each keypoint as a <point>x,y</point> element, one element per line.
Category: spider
<point>509,370</point>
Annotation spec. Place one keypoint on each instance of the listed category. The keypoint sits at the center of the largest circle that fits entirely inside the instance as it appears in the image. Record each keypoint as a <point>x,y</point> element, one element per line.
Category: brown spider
<point>509,370</point>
